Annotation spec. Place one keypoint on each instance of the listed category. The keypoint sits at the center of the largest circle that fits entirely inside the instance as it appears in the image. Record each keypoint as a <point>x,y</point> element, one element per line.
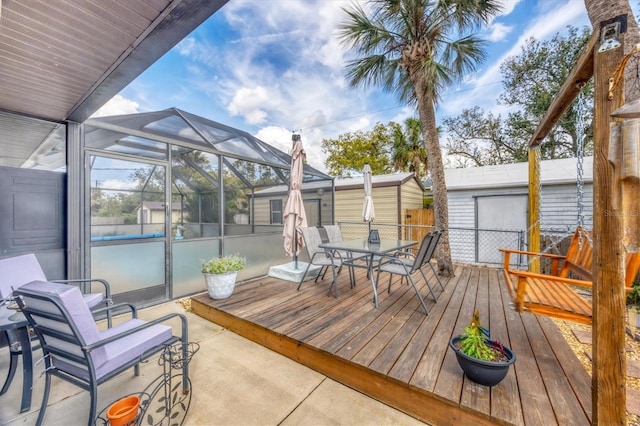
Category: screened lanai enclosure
<point>171,188</point>
<point>164,190</point>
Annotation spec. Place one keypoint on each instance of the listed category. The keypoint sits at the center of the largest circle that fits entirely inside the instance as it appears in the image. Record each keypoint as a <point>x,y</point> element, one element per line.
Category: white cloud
<point>250,103</point>
<point>186,46</point>
<point>507,6</point>
<point>118,105</point>
<point>498,31</point>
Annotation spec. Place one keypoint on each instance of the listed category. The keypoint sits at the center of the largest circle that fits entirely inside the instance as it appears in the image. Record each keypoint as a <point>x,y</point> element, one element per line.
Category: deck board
<point>400,356</point>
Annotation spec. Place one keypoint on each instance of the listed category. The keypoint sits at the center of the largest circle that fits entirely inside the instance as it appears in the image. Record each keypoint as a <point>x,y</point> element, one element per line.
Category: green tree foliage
<point>347,155</point>
<point>478,138</point>
<point>408,151</point>
<point>531,80</point>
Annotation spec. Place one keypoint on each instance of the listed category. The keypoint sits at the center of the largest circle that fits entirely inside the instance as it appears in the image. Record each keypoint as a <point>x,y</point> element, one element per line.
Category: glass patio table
<point>14,321</point>
<point>367,252</point>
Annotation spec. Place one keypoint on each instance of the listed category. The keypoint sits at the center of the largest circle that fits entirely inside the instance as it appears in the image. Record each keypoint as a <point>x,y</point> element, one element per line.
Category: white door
<point>499,212</point>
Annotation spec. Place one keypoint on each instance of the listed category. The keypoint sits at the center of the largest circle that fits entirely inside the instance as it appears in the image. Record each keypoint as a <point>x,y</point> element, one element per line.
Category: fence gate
<point>416,221</point>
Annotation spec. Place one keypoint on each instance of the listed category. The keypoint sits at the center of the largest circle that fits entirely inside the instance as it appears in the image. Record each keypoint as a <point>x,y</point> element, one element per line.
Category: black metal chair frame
<point>83,357</point>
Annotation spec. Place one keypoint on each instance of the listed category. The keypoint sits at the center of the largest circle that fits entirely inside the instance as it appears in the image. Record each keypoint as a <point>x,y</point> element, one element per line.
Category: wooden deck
<point>400,356</point>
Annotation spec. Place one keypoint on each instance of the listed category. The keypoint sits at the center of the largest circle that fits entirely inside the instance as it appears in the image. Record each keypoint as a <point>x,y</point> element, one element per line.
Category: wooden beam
<point>534,207</point>
<point>609,358</point>
<point>581,72</point>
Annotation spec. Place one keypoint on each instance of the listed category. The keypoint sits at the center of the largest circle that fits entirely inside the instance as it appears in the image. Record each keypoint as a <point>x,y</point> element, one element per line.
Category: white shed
<point>496,197</point>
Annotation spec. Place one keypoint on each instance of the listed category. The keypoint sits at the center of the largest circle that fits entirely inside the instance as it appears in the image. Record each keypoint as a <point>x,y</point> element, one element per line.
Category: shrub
<point>223,265</point>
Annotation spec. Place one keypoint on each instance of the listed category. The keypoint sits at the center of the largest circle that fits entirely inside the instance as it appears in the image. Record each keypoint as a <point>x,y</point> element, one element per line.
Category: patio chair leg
<point>334,283</point>
<point>435,274</point>
<point>428,285</point>
<point>424,305</point>
<point>322,273</point>
<point>13,365</point>
<point>45,398</point>
<point>304,275</point>
<point>94,402</point>
<point>389,285</point>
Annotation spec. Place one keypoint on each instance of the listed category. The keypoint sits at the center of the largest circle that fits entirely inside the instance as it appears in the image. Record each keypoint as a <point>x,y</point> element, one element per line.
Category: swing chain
<point>581,109</point>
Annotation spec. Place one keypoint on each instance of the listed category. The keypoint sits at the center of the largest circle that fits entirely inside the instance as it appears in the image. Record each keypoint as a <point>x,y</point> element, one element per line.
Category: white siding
<point>559,213</point>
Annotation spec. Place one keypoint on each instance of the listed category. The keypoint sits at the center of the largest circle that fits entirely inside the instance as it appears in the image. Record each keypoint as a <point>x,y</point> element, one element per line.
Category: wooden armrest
<point>571,281</point>
<point>531,253</point>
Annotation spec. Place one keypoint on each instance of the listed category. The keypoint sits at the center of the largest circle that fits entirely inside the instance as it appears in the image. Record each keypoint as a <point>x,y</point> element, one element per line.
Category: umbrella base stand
<point>289,272</point>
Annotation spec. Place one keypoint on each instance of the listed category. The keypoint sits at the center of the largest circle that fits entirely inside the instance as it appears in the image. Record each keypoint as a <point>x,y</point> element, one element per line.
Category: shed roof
<point>393,179</point>
<point>378,181</point>
<point>552,172</point>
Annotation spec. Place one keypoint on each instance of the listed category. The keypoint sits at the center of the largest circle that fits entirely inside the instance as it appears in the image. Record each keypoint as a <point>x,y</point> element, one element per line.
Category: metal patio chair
<point>407,266</point>
<point>320,257</point>
<point>334,234</point>
<point>77,352</point>
<point>409,257</point>
<point>19,270</point>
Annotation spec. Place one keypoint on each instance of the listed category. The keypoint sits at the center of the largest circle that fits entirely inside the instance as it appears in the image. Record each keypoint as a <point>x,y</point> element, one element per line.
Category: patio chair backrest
<point>312,240</point>
<point>433,243</point>
<point>333,233</point>
<point>64,323</point>
<point>17,271</point>
<point>426,250</point>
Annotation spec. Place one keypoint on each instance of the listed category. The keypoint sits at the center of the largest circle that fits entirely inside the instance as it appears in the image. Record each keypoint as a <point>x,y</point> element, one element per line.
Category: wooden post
<point>534,207</point>
<point>609,363</point>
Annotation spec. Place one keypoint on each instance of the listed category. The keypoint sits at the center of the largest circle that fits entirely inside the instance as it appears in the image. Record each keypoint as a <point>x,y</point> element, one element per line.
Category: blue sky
<point>274,66</point>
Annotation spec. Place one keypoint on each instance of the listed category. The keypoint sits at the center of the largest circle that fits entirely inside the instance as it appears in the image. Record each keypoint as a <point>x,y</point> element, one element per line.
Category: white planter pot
<point>220,286</point>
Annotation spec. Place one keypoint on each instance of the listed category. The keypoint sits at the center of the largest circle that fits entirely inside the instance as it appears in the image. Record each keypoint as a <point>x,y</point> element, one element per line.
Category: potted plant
<point>483,360</point>
<point>220,274</point>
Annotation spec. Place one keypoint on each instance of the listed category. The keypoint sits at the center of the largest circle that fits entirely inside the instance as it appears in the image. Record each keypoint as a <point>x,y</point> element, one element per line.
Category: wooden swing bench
<point>555,294</point>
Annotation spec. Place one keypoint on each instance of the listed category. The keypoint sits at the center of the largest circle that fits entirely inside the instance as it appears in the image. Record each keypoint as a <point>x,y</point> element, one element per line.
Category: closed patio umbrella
<point>368,213</point>
<point>294,214</point>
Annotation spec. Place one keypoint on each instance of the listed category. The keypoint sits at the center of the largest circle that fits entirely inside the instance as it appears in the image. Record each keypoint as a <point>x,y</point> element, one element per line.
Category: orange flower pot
<point>123,411</point>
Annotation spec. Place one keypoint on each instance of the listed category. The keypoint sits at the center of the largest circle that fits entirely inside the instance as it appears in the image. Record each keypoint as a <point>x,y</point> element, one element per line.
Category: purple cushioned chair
<point>17,271</point>
<point>76,351</point>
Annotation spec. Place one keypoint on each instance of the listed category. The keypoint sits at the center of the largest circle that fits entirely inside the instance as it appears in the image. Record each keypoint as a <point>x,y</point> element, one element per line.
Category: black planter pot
<point>487,373</point>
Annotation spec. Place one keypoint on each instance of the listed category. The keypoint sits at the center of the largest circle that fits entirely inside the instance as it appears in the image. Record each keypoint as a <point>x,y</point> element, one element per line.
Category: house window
<point>276,211</point>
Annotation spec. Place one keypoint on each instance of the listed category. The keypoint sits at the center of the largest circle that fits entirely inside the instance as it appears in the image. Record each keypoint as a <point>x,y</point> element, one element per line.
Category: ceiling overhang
<point>63,61</point>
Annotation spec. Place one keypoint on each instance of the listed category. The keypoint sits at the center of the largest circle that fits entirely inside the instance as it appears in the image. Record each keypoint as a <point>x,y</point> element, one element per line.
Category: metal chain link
<point>581,108</point>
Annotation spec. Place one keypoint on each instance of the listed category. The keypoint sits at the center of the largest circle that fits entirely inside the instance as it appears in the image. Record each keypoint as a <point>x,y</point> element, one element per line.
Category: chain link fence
<point>468,245</point>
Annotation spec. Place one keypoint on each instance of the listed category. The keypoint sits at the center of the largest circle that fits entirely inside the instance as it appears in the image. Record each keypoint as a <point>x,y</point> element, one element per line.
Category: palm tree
<point>416,48</point>
<point>408,150</point>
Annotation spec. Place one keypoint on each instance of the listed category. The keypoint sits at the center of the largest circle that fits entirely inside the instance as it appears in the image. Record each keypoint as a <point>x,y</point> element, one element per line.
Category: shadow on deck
<point>399,356</point>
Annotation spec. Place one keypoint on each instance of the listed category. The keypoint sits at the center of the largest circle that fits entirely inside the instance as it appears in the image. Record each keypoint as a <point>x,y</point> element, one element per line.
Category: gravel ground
<point>582,350</point>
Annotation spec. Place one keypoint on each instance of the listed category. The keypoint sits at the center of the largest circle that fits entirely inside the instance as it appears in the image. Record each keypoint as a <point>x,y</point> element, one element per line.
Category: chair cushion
<point>17,271</point>
<point>130,347</point>
<point>93,299</point>
<point>71,298</point>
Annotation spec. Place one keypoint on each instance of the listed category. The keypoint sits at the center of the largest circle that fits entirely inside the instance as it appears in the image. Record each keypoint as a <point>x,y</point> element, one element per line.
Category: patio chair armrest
<point>117,307</point>
<point>103,282</point>
<point>405,253</point>
<point>388,258</point>
<point>184,337</point>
